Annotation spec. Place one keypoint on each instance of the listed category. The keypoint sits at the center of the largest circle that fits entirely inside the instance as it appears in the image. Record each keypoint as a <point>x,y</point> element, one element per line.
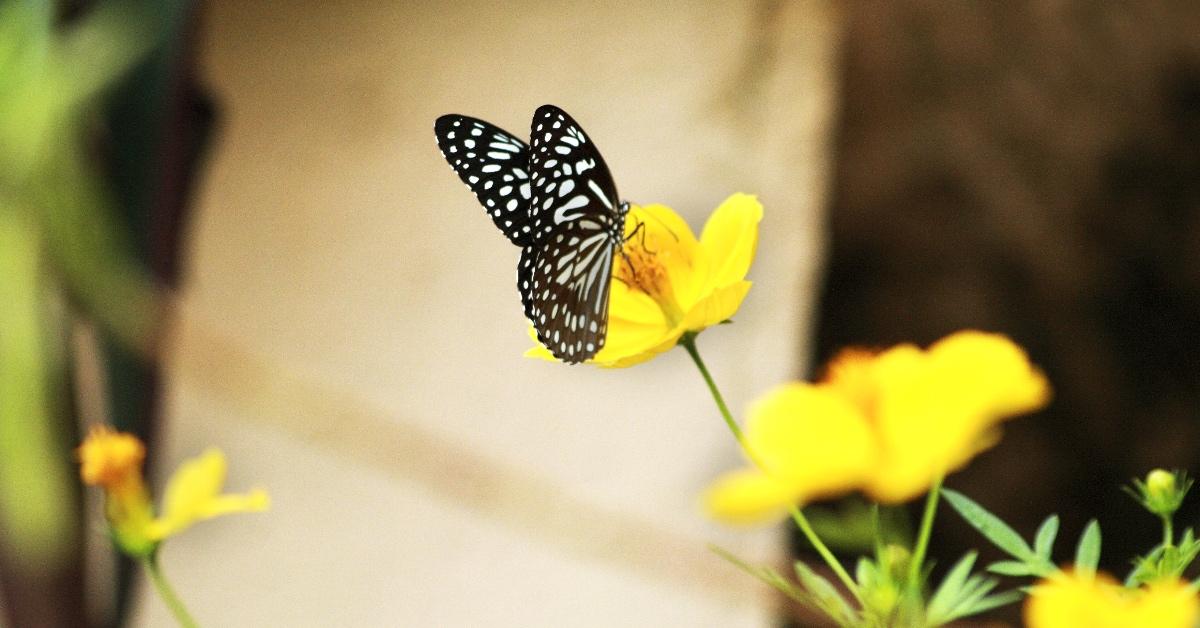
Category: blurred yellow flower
<point>668,283</point>
<point>890,424</point>
<point>113,461</point>
<point>1070,600</point>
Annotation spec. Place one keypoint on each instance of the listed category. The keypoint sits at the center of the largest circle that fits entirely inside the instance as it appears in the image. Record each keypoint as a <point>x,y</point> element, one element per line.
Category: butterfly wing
<point>525,280</point>
<point>495,165</point>
<point>570,179</point>
<point>568,302</point>
<point>575,216</point>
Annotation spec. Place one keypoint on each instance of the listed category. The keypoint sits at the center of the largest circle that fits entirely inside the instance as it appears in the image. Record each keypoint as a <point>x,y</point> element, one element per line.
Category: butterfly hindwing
<point>525,280</point>
<point>495,165</point>
<point>568,302</point>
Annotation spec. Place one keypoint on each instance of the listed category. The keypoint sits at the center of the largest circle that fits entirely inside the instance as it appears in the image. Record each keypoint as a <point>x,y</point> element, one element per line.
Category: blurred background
<point>226,223</point>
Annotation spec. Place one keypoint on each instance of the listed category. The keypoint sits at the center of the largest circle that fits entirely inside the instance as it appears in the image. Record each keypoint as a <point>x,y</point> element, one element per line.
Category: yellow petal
<point>811,436</point>
<point>719,306</point>
<point>935,410</point>
<point>193,494</point>
<point>1067,600</point>
<point>633,306</point>
<point>998,376</point>
<point>730,238</point>
<point>256,500</point>
<point>1167,603</point>
<point>538,350</point>
<point>663,227</point>
<point>748,496</point>
<point>631,343</point>
<point>195,481</point>
<point>810,442</point>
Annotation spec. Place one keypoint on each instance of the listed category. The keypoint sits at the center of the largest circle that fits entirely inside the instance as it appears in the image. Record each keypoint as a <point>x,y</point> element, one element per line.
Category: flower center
<point>112,460</point>
<point>645,270</point>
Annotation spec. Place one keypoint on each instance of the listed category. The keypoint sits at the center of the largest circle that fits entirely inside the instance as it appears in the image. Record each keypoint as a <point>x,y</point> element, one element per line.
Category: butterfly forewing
<point>570,179</point>
<point>495,165</point>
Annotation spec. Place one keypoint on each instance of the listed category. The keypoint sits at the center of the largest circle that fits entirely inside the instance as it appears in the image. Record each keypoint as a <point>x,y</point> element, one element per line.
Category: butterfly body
<point>556,199</point>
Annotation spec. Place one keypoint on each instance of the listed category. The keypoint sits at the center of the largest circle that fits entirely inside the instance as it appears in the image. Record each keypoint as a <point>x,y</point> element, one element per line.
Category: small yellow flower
<point>668,283</point>
<point>889,424</point>
<point>1069,600</point>
<point>113,461</point>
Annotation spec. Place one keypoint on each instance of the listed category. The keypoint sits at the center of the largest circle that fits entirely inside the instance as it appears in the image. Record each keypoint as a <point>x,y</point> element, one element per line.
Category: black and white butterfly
<point>557,201</point>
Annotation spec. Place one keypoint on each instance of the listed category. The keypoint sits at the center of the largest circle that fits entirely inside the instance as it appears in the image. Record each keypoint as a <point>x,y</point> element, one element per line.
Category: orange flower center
<point>645,270</point>
<point>111,460</point>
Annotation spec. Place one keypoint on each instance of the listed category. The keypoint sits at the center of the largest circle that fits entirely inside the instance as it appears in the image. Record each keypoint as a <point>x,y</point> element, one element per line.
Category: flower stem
<point>689,342</point>
<point>167,593</point>
<point>1168,531</point>
<point>918,557</point>
<point>830,559</point>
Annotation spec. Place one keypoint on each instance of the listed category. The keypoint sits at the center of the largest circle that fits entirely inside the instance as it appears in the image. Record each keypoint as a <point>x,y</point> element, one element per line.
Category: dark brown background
<point>1032,168</point>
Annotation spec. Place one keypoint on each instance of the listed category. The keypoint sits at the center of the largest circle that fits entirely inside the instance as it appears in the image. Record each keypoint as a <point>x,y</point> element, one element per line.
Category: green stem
<point>830,559</point>
<point>689,342</point>
<point>1168,531</point>
<point>167,593</point>
<point>918,557</point>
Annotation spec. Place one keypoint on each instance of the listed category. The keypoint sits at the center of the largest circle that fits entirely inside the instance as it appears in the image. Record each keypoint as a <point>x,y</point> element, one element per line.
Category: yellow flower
<point>113,461</point>
<point>668,283</point>
<point>889,424</point>
<point>1068,600</point>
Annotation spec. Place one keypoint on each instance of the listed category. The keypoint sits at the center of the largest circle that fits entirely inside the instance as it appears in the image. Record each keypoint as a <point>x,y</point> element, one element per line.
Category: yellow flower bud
<point>1162,491</point>
<point>1160,484</point>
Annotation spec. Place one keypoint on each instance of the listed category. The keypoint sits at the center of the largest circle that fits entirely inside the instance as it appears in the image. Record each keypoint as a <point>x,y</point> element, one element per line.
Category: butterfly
<point>556,199</point>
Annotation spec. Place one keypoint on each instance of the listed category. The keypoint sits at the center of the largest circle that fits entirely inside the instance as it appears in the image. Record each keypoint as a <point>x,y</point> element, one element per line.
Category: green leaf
<point>990,526</point>
<point>1043,542</point>
<point>1087,554</point>
<point>765,574</point>
<point>948,592</point>
<point>37,509</point>
<point>825,596</point>
<point>1014,568</point>
<point>961,594</point>
<point>986,604</point>
<point>817,593</point>
<point>865,573</point>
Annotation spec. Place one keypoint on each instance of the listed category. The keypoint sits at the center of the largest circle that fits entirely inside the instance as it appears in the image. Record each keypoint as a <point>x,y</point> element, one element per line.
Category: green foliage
<point>1028,562</point>
<point>962,594</point>
<point>1043,541</point>
<point>1087,553</point>
<point>854,525</point>
<point>59,242</point>
<point>812,591</point>
<point>1165,561</point>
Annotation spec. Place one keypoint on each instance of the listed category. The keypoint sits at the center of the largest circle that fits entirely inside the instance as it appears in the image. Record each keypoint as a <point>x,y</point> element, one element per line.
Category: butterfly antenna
<point>665,226</point>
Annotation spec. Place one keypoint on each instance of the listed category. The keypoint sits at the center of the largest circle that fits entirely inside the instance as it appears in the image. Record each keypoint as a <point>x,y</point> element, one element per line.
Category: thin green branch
<point>167,593</point>
<point>918,557</point>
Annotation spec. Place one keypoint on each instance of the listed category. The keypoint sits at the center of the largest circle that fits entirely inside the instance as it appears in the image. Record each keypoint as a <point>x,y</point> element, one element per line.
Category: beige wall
<point>352,336</point>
